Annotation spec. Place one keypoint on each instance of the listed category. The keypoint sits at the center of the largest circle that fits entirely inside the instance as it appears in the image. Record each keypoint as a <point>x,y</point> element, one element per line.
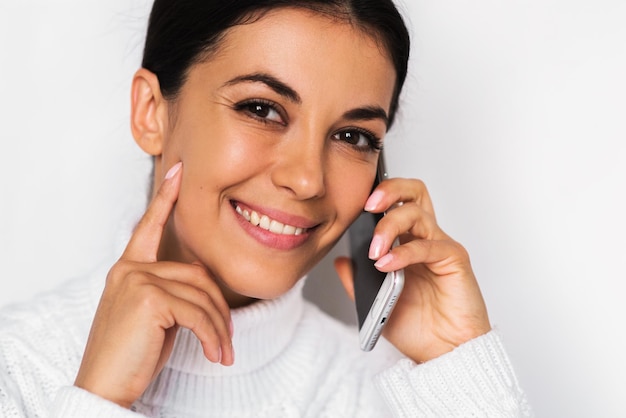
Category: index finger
<point>144,243</point>
<point>399,190</point>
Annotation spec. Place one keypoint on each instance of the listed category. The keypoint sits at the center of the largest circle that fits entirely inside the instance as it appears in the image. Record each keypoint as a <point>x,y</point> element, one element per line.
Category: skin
<point>304,161</point>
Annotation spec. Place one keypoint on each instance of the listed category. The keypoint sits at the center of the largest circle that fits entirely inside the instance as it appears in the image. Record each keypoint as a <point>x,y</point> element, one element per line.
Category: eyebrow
<point>281,88</point>
<point>270,81</point>
<point>367,113</point>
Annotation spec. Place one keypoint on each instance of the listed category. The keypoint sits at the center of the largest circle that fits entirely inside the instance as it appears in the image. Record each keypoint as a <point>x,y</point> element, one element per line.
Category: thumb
<point>343,266</point>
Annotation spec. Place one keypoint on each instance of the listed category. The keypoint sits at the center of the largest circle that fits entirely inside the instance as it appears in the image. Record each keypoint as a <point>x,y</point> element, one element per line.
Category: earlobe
<point>148,112</point>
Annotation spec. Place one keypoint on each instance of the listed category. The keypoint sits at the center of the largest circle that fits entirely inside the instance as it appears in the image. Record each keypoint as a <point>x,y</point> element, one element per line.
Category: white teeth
<point>255,218</point>
<point>276,227</point>
<point>263,221</point>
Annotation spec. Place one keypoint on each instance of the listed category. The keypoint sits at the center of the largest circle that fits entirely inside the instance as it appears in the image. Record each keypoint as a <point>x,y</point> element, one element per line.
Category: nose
<point>299,169</point>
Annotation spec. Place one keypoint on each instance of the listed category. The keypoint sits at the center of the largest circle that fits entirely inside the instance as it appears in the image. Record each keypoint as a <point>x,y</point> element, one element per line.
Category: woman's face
<point>277,133</point>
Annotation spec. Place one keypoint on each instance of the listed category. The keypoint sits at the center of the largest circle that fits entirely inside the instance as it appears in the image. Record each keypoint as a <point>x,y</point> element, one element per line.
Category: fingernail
<point>384,260</point>
<point>232,329</point>
<point>373,201</point>
<point>376,247</point>
<point>172,171</point>
<point>219,355</point>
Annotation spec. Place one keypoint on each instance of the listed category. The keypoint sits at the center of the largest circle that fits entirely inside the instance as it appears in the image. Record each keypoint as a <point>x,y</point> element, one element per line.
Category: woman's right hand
<point>143,304</point>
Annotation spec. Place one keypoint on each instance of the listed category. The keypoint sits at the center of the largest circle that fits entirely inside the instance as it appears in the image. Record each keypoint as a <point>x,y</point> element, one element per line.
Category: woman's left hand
<point>441,305</point>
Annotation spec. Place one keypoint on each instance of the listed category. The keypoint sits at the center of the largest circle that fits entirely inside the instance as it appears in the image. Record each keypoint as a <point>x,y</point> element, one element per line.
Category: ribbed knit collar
<point>262,331</point>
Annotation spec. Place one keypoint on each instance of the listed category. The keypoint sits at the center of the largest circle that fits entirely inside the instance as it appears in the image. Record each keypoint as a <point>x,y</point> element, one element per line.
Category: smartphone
<point>375,292</point>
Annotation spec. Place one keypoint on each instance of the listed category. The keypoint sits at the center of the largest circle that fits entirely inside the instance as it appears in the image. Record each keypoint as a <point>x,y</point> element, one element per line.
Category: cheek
<point>213,165</point>
<point>222,148</point>
<point>351,189</point>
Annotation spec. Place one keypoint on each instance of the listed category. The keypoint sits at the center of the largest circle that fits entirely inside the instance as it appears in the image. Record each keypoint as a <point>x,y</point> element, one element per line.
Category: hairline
<point>336,13</point>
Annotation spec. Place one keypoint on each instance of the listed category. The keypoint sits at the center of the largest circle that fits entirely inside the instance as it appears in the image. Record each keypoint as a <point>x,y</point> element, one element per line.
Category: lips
<point>265,222</point>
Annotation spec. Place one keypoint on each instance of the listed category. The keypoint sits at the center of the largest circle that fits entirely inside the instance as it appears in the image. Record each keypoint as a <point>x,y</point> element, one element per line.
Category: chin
<point>259,283</point>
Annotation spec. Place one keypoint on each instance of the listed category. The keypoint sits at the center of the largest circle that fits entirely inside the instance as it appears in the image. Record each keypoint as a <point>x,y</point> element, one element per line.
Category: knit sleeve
<point>476,379</point>
<point>72,401</point>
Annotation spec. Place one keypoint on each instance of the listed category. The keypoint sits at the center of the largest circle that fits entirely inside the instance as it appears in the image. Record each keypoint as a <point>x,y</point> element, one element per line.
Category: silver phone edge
<point>374,324</point>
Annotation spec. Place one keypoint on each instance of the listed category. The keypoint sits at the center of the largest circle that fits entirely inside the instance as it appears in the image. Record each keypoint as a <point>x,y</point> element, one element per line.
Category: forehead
<point>310,51</point>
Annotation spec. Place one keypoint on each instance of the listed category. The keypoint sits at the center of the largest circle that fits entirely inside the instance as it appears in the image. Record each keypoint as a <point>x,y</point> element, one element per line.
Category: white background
<point>514,115</point>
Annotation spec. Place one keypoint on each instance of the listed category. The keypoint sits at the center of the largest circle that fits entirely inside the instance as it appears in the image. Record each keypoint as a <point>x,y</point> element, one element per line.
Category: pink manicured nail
<point>376,247</point>
<point>384,260</point>
<point>219,355</point>
<point>172,171</point>
<point>374,199</point>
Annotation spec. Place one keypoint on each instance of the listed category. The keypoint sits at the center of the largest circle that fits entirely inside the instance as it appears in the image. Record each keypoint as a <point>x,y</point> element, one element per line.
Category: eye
<point>262,110</point>
<point>361,139</point>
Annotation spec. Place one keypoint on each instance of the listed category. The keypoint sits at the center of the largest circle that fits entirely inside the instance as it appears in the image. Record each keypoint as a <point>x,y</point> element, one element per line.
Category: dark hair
<point>182,33</point>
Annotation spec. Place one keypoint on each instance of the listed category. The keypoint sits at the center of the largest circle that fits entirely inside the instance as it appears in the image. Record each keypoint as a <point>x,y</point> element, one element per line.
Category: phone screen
<point>367,279</point>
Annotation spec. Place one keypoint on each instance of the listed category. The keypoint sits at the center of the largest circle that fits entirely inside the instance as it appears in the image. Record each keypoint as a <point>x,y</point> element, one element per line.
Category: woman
<point>265,120</point>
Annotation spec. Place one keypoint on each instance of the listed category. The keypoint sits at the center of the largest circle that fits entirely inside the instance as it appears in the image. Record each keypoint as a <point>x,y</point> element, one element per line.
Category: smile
<point>269,224</point>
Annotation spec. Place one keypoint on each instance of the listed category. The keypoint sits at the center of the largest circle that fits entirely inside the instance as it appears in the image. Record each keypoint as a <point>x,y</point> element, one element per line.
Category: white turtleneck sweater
<point>292,360</point>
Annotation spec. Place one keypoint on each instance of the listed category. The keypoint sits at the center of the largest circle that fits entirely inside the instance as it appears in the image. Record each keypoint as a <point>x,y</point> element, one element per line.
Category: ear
<point>148,112</point>
<point>343,266</point>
